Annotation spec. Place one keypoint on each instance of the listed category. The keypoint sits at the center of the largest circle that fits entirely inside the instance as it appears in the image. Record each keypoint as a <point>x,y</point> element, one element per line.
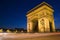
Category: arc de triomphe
<point>40,18</point>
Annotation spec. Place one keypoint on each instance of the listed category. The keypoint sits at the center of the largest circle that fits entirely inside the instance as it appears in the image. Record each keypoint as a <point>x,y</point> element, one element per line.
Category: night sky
<point>13,12</point>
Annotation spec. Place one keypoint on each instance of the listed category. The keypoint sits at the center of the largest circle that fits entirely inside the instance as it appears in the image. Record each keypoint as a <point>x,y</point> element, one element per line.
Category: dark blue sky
<point>13,12</point>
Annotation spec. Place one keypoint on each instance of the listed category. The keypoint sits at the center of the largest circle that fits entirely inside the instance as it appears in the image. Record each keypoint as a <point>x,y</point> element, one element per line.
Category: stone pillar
<point>53,26</point>
<point>47,26</point>
<point>40,26</point>
<point>29,26</point>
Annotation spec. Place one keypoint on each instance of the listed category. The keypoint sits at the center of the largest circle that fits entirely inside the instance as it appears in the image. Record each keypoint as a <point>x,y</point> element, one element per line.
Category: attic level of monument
<point>40,5</point>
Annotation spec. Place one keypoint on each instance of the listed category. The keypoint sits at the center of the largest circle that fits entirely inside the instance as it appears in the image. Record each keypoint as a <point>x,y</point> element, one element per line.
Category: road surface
<point>24,35</point>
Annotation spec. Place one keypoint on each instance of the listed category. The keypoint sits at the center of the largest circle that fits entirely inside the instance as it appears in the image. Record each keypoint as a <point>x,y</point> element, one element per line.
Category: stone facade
<point>40,19</point>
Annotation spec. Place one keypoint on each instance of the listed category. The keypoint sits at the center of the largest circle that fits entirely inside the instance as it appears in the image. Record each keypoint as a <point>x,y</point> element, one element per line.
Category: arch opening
<point>50,27</point>
<point>35,26</point>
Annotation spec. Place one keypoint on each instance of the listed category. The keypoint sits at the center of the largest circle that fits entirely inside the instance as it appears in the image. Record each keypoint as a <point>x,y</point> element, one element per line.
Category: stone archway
<point>35,26</point>
<point>38,19</point>
<point>51,30</point>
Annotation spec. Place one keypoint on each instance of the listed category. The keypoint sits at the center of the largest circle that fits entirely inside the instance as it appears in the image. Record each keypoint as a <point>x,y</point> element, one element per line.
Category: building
<point>40,18</point>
